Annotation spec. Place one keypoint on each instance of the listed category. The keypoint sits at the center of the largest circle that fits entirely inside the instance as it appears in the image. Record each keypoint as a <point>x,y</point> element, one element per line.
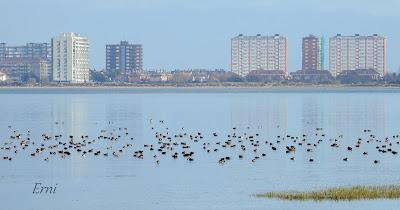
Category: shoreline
<point>206,86</point>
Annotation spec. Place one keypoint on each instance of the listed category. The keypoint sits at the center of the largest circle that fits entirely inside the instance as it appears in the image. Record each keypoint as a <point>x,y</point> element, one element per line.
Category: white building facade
<point>70,58</point>
<point>3,77</point>
<point>357,52</point>
<point>258,52</point>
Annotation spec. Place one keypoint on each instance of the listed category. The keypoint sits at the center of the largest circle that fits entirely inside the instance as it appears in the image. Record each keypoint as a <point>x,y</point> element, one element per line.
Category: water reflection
<point>269,114</point>
<point>311,113</point>
<point>70,114</point>
<point>350,114</point>
<point>125,182</point>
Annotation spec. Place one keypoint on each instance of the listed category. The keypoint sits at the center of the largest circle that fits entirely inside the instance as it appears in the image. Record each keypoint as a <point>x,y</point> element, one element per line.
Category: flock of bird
<point>237,144</point>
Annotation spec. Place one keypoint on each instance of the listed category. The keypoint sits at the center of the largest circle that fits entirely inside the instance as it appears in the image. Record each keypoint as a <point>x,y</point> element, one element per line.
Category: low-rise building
<point>312,76</point>
<point>26,69</point>
<point>157,77</point>
<point>3,77</point>
<point>132,78</point>
<point>30,52</point>
<point>266,76</point>
<point>181,76</point>
<point>358,76</point>
<point>166,77</point>
<point>150,77</point>
<point>201,76</point>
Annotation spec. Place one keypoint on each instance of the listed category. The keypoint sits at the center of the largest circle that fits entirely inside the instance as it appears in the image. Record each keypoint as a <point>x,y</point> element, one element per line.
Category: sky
<point>189,34</point>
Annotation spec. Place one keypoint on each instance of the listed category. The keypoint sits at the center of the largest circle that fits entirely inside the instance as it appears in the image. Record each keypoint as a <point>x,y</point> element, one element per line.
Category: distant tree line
<point>228,76</point>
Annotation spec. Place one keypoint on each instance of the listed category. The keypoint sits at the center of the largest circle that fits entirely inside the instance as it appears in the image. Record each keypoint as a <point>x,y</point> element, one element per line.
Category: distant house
<point>134,77</point>
<point>266,76</point>
<point>201,76</point>
<point>158,77</point>
<point>181,76</point>
<point>358,76</point>
<point>3,77</point>
<point>312,76</point>
<point>166,77</point>
<point>150,76</point>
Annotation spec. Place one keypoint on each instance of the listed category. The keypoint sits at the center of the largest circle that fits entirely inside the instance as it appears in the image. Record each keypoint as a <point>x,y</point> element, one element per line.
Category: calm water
<point>129,183</point>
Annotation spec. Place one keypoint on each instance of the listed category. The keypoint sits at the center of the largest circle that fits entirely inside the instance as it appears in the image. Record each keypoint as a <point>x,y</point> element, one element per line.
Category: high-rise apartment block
<point>124,57</point>
<point>312,53</point>
<point>70,58</point>
<point>258,52</point>
<point>30,50</point>
<point>357,52</point>
<point>21,61</point>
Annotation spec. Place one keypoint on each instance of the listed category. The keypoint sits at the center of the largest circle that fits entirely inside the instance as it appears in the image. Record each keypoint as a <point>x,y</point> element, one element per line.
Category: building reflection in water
<point>344,113</point>
<point>311,113</point>
<point>83,114</point>
<point>266,113</point>
<point>126,113</point>
<point>70,114</point>
<point>351,115</point>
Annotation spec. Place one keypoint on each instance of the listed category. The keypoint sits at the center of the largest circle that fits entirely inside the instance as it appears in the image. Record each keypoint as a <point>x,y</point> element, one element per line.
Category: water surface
<point>129,183</point>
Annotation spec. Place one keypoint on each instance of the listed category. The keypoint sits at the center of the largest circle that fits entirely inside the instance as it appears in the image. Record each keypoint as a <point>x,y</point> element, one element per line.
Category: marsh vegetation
<point>339,193</point>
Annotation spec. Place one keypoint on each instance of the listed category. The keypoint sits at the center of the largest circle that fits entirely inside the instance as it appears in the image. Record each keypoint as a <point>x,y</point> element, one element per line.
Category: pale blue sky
<point>196,34</point>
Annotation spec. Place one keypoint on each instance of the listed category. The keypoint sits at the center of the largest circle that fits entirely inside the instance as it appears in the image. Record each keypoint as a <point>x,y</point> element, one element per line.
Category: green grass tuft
<point>339,194</point>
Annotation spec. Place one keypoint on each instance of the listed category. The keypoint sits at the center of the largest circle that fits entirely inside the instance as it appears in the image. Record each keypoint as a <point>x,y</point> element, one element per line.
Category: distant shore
<point>198,86</point>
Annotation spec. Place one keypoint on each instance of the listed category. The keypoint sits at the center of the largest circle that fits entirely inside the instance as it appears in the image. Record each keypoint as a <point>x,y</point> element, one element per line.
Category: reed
<point>339,194</point>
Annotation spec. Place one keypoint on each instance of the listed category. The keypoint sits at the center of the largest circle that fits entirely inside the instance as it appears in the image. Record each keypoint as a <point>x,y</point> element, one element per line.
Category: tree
<point>390,77</point>
<point>113,74</point>
<point>98,76</point>
<point>232,77</point>
<point>181,77</point>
